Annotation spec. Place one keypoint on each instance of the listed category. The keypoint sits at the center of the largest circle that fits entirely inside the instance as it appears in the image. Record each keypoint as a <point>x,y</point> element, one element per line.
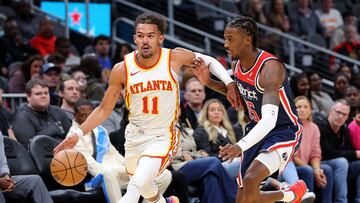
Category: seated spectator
<point>346,70</point>
<point>13,47</point>
<point>338,35</point>
<point>38,117</point>
<point>105,163</point>
<point>304,21</point>
<point>215,130</point>
<point>341,82</point>
<point>299,84</point>
<point>354,129</point>
<point>329,17</point>
<point>120,51</point>
<point>30,69</point>
<point>335,143</point>
<point>353,97</point>
<point>321,101</point>
<point>113,123</point>
<point>350,47</point>
<point>277,17</point>
<point>80,77</point>
<point>255,10</point>
<point>70,94</point>
<point>194,96</point>
<point>59,60</point>
<point>62,46</point>
<point>308,158</point>
<point>5,119</point>
<point>356,80</point>
<point>44,41</point>
<point>89,64</point>
<point>26,20</point>
<point>216,185</point>
<point>24,187</point>
<point>51,75</point>
<point>102,51</point>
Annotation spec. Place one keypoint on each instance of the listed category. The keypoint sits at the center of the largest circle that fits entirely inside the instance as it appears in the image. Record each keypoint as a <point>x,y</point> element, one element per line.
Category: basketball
<point>68,167</point>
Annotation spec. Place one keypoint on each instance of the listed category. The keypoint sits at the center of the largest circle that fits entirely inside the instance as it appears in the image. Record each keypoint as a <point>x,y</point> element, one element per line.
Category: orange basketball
<point>68,167</point>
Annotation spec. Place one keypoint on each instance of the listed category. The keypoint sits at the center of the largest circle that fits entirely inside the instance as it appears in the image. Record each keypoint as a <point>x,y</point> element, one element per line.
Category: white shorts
<point>157,143</point>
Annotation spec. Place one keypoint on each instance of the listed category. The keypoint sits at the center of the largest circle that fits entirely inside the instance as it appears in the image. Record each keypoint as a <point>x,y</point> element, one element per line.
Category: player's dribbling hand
<point>229,152</point>
<point>68,143</point>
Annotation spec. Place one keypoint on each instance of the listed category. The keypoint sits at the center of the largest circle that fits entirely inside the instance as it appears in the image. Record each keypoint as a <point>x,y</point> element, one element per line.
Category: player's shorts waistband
<point>131,127</point>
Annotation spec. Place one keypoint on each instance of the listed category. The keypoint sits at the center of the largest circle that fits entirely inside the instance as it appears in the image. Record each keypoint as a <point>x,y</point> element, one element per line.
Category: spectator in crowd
<point>216,185</point>
<point>30,69</point>
<point>350,47</point>
<point>5,119</point>
<point>338,35</point>
<point>59,60</point>
<point>335,143</point>
<point>50,73</point>
<point>321,101</point>
<point>24,187</point>
<point>194,98</point>
<point>38,117</point>
<point>341,82</point>
<point>300,86</point>
<point>353,97</point>
<point>13,47</point>
<point>329,17</point>
<point>120,51</point>
<point>354,129</point>
<point>277,17</point>
<point>308,157</point>
<point>255,10</point>
<point>89,64</point>
<point>26,20</point>
<point>356,80</point>
<point>44,41</point>
<point>80,77</point>
<point>105,163</point>
<point>70,94</point>
<point>102,50</point>
<point>215,130</point>
<point>113,123</point>
<point>346,70</point>
<point>304,21</point>
<point>63,46</point>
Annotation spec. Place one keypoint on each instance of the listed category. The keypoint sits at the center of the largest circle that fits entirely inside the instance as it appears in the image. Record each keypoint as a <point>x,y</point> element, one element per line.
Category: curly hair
<point>247,25</point>
<point>152,18</point>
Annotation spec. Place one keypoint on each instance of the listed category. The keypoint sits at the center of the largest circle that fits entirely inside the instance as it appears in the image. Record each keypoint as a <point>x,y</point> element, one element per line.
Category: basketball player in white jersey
<point>150,78</point>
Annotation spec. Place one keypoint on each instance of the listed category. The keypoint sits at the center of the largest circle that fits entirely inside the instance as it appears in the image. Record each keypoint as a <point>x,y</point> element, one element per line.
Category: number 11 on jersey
<point>154,105</point>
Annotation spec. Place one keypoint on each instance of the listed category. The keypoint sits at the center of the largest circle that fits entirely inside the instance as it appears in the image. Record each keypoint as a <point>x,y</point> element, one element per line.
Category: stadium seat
<point>41,151</point>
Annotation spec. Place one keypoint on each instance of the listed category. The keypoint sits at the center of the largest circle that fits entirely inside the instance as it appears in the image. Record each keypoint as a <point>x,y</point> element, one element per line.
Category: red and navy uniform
<point>288,129</point>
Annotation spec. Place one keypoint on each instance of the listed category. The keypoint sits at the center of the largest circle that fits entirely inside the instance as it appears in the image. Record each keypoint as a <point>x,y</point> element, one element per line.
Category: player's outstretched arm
<point>102,112</point>
<point>181,56</point>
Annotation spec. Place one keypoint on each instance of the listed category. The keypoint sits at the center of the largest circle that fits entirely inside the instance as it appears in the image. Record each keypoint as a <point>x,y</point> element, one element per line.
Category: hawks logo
<point>285,156</point>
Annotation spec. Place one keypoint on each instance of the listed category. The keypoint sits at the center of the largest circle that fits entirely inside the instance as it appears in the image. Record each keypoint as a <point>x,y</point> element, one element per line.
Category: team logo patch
<point>285,156</point>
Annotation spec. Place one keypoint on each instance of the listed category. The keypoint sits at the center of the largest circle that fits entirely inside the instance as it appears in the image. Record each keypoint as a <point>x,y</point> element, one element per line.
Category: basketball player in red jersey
<point>150,78</point>
<point>274,130</point>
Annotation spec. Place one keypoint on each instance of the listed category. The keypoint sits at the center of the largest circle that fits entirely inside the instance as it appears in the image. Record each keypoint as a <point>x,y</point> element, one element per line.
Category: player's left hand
<point>229,152</point>
<point>233,95</point>
<point>68,143</point>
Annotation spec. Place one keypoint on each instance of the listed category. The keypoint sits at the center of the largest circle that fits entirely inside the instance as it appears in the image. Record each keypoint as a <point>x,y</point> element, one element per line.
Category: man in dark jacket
<point>38,117</point>
<point>335,143</point>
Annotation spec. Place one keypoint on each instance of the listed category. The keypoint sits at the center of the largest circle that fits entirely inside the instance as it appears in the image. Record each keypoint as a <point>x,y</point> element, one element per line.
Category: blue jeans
<point>232,168</point>
<point>216,184</point>
<point>340,171</point>
<point>291,174</point>
<point>354,178</point>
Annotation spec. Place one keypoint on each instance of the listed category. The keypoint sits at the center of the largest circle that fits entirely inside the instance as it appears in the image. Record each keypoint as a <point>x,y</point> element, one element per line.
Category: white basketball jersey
<point>152,93</point>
